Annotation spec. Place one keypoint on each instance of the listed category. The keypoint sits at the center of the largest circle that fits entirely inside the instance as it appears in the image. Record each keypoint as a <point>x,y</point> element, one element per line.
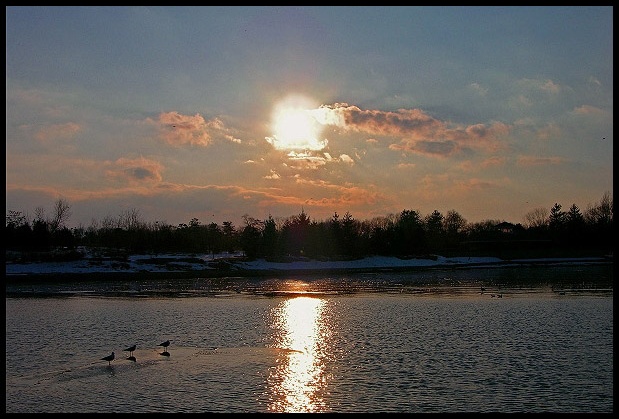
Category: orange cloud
<point>418,132</point>
<point>340,196</point>
<point>273,175</point>
<point>306,160</point>
<point>470,166</point>
<point>478,184</point>
<point>548,132</point>
<point>58,131</point>
<point>177,129</point>
<point>588,110</point>
<point>345,158</point>
<point>403,122</point>
<point>435,148</point>
<point>346,200</point>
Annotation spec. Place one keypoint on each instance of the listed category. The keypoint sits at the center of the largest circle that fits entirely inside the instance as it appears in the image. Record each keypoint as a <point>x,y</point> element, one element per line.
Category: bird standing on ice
<point>130,350</point>
<point>108,358</point>
<point>165,348</point>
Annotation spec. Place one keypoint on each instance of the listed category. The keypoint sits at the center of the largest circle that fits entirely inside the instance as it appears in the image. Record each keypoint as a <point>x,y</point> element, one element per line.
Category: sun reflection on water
<point>298,379</point>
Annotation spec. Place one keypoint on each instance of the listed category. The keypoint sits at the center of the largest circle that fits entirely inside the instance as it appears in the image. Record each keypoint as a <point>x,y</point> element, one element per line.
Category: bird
<point>108,358</point>
<point>165,344</point>
<point>130,350</point>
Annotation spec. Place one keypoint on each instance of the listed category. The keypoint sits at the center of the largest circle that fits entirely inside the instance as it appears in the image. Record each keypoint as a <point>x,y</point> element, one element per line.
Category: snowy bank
<point>205,264</point>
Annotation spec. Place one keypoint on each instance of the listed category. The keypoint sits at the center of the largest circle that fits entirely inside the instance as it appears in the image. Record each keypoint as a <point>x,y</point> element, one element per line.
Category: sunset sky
<point>219,112</point>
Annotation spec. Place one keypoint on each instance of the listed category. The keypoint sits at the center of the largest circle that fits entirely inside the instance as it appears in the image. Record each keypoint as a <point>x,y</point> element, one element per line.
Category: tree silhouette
<point>270,237</point>
<point>407,234</point>
<point>557,218</point>
<point>295,232</point>
<point>61,214</point>
<point>453,225</point>
<point>434,228</point>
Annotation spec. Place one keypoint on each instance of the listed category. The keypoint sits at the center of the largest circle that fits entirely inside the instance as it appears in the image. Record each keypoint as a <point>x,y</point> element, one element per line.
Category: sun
<point>294,125</point>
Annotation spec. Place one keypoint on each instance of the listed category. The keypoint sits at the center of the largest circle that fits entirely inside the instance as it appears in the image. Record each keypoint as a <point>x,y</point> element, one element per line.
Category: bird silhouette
<point>108,358</point>
<point>130,350</point>
<point>165,344</point>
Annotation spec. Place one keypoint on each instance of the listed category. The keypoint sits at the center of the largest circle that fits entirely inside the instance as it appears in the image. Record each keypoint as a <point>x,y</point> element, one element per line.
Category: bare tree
<point>383,223</point>
<point>108,223</point>
<point>130,219</point>
<point>251,221</point>
<point>15,219</point>
<point>60,215</point>
<point>536,218</point>
<point>454,222</point>
<point>602,213</point>
<point>39,215</point>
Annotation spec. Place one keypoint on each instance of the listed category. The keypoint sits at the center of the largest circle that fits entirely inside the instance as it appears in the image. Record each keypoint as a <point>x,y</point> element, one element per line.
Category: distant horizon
<point>70,224</point>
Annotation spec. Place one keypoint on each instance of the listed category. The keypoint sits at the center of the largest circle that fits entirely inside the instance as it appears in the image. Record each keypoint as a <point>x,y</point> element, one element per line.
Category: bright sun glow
<point>295,126</point>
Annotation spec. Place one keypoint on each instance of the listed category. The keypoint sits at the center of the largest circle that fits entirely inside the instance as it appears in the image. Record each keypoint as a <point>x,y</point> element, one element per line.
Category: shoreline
<point>235,270</point>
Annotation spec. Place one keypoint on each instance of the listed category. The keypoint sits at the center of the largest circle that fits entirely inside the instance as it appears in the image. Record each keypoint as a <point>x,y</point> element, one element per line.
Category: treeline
<point>407,234</point>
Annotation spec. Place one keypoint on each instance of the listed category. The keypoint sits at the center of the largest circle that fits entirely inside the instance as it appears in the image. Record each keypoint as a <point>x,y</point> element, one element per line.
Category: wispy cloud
<point>527,161</point>
<point>57,131</point>
<point>138,170</point>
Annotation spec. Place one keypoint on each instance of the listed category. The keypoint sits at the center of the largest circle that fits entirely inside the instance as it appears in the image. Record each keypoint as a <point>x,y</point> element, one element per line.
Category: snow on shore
<point>205,262</point>
<point>367,263</point>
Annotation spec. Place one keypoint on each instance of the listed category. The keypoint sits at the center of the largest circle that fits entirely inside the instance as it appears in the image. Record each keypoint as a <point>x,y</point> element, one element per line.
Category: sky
<point>236,113</point>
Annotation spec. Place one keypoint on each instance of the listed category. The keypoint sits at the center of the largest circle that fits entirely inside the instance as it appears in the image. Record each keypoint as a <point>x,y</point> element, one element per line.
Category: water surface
<point>421,342</point>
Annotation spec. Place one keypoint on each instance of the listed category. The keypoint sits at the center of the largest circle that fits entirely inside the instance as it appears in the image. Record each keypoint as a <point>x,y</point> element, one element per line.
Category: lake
<point>536,339</point>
